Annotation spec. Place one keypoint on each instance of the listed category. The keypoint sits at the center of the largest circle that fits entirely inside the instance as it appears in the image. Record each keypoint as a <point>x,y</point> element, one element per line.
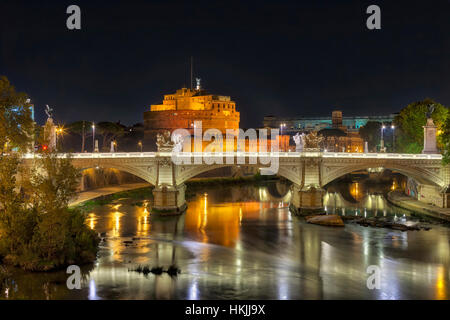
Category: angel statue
<point>164,142</point>
<point>48,111</point>
<point>430,110</point>
<point>299,140</point>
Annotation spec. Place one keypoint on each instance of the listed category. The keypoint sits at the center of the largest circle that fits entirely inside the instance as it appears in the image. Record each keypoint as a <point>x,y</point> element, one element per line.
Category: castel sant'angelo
<point>180,109</point>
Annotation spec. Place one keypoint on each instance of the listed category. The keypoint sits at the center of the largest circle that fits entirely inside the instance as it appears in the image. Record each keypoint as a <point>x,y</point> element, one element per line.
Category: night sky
<point>280,58</point>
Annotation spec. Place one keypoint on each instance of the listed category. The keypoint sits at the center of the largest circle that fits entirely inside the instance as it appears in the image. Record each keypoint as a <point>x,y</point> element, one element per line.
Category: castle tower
<point>181,109</point>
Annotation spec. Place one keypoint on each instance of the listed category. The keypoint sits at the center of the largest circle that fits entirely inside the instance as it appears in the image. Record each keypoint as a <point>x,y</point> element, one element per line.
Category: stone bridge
<point>309,172</point>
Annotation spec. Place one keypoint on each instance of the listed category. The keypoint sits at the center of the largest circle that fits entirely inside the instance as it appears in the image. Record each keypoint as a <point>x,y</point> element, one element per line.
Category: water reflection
<point>241,242</point>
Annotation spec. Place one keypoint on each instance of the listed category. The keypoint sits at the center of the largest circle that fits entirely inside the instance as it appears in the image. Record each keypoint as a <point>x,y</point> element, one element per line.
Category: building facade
<point>341,134</point>
<point>181,109</point>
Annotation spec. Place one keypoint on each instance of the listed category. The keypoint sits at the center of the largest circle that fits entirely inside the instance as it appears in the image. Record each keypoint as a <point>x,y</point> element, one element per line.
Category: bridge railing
<point>109,155</point>
<point>381,155</point>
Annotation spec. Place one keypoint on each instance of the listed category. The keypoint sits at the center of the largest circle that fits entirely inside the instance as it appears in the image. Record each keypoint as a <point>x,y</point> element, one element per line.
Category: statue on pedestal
<point>430,111</point>
<point>429,133</point>
<point>50,130</point>
<point>299,140</point>
<point>164,142</point>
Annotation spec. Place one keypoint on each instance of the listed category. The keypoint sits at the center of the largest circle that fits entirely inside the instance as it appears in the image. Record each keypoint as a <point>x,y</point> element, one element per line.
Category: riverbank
<point>97,193</point>
<point>401,200</point>
<point>101,196</point>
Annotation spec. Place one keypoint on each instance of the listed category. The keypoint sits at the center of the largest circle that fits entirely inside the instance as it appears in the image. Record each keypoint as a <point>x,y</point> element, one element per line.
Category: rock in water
<point>326,220</point>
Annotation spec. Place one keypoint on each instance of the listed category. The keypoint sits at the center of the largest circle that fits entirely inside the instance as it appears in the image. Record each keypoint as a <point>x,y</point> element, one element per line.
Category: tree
<point>37,229</point>
<point>109,132</point>
<point>57,186</point>
<point>16,124</point>
<point>16,220</point>
<point>410,122</point>
<point>371,132</point>
<point>83,129</point>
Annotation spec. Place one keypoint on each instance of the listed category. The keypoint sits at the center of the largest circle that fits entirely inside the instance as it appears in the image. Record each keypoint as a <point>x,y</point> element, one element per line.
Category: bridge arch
<point>419,173</point>
<point>135,171</point>
<point>184,173</point>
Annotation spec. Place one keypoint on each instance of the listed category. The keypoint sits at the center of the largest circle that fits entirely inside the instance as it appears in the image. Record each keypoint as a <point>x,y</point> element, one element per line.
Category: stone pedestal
<point>307,200</point>
<point>169,200</point>
<point>429,137</point>
<point>50,134</point>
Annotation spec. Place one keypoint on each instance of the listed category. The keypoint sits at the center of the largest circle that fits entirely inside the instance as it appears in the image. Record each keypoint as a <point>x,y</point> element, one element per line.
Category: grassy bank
<point>137,194</point>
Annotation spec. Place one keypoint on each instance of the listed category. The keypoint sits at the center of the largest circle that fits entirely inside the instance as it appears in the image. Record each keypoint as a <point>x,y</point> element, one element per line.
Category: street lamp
<point>93,137</point>
<point>140,145</point>
<point>382,139</point>
<point>393,138</point>
<point>281,128</point>
<point>58,131</point>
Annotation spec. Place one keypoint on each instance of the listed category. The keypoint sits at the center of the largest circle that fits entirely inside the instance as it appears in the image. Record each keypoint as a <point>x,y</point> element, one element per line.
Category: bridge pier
<point>307,199</point>
<point>169,200</point>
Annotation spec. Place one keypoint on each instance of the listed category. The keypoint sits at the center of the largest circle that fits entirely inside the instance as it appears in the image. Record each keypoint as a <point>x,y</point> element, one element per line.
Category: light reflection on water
<point>242,242</point>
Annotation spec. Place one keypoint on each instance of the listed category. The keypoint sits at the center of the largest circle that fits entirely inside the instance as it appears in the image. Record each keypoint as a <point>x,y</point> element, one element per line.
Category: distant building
<point>303,124</point>
<point>341,133</point>
<point>181,109</point>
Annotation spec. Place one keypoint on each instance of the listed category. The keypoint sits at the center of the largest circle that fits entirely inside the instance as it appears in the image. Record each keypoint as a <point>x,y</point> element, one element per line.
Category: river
<point>242,242</point>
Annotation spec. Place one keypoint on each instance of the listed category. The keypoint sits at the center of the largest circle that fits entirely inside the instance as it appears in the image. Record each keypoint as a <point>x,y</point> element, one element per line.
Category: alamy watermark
<point>73,22</point>
<point>374,280</point>
<point>237,146</point>
<point>74,280</point>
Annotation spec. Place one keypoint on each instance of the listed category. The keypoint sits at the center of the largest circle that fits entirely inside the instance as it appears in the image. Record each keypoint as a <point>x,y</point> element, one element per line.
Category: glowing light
<point>440,284</point>
<point>92,220</point>
<point>92,290</point>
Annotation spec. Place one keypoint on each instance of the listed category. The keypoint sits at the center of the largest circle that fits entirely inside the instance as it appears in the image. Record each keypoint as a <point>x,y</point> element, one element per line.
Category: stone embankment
<point>401,200</point>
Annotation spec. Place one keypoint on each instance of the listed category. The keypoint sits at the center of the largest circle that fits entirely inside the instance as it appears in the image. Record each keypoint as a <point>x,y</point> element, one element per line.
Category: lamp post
<point>140,145</point>
<point>393,138</point>
<point>58,130</point>
<point>93,137</point>
<point>281,129</point>
<point>382,149</point>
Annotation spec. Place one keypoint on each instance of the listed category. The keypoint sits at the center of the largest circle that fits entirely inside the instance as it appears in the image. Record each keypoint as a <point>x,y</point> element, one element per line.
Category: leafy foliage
<point>83,129</point>
<point>411,120</point>
<point>371,133</point>
<point>109,132</point>
<point>37,230</point>
<point>55,188</point>
<point>16,124</point>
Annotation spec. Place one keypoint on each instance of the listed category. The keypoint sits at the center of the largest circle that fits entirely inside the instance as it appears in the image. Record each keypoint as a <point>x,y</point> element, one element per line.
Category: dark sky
<point>281,58</point>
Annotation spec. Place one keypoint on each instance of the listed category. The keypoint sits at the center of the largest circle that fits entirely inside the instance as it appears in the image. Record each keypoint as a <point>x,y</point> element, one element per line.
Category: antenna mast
<point>192,64</point>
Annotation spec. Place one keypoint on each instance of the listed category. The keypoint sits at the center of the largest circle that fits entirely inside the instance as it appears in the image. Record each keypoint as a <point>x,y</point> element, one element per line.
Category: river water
<point>241,242</point>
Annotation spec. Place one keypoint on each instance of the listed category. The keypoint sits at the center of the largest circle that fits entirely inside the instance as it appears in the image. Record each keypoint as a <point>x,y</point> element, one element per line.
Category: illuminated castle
<point>181,109</point>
